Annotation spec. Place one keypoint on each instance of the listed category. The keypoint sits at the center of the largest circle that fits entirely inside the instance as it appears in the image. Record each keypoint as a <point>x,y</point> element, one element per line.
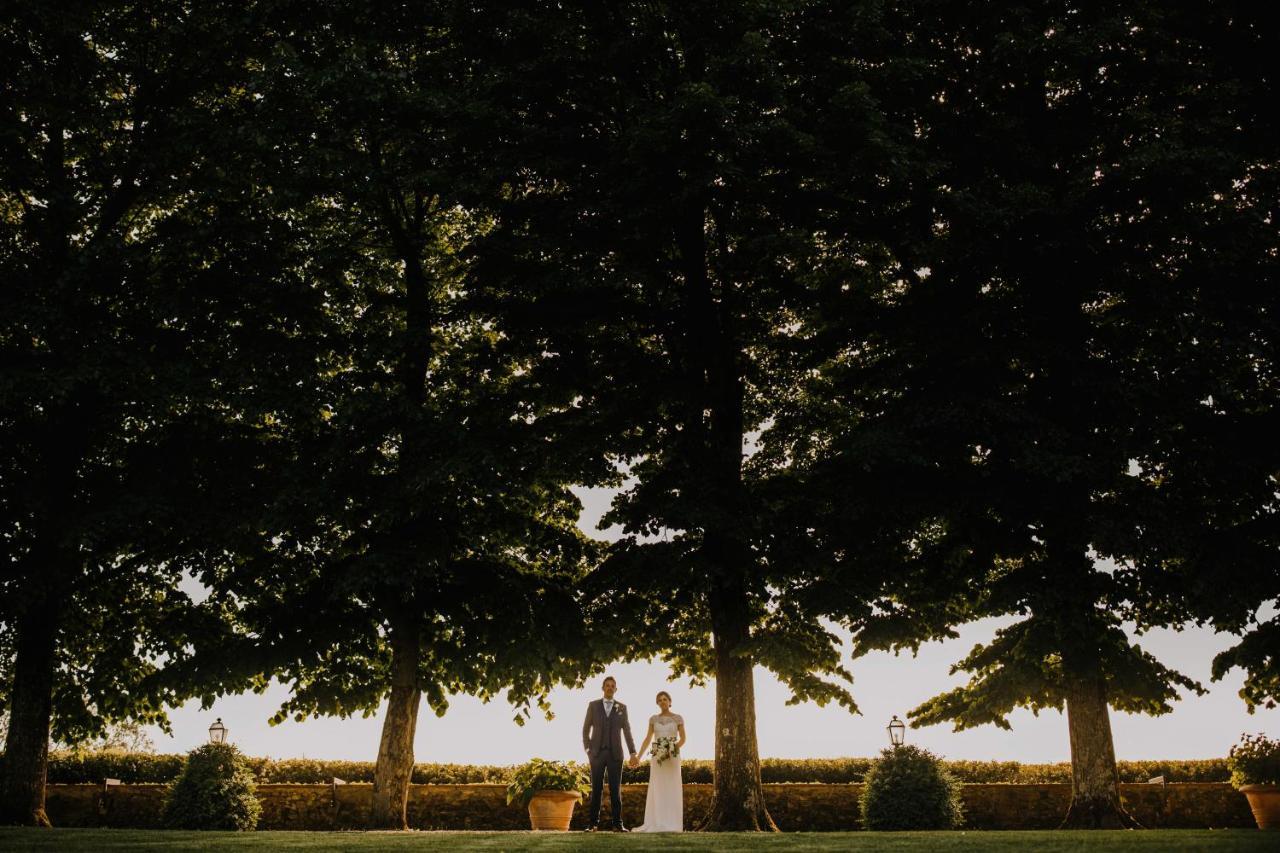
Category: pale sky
<point>475,733</point>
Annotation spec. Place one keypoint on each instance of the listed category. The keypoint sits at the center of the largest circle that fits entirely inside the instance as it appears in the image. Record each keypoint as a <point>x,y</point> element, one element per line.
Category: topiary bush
<point>910,788</point>
<point>215,791</point>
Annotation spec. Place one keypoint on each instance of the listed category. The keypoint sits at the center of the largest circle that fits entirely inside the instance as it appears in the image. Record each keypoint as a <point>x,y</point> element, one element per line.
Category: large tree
<point>656,227</point>
<point>132,308</point>
<point>424,541</point>
<point>1039,411</point>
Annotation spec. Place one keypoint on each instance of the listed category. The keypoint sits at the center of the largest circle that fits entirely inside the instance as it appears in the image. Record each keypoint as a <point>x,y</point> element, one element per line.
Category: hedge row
<point>71,768</point>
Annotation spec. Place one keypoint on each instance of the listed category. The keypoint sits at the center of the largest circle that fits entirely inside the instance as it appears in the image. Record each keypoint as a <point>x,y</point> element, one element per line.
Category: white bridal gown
<point>664,804</point>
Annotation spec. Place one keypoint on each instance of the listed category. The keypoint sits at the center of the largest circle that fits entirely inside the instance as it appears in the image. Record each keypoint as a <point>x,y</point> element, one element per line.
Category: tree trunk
<point>26,761</point>
<point>737,802</point>
<point>1095,790</point>
<point>714,443</point>
<point>394,769</point>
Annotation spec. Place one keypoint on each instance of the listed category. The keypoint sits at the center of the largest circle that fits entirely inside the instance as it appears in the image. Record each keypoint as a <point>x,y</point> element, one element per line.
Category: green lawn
<point>1154,841</point>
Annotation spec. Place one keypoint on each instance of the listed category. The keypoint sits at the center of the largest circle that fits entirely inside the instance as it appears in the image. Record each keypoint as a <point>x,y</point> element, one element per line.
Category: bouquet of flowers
<point>663,749</point>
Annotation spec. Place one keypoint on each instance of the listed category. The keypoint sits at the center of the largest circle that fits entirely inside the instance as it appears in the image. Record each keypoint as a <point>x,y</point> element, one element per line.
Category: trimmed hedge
<point>72,768</point>
<point>133,768</point>
<point>1199,770</point>
<point>308,770</point>
<point>81,768</point>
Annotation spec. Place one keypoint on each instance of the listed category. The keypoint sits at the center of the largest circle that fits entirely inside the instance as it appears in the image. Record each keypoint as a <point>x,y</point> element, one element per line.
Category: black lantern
<point>897,731</point>
<point>217,732</point>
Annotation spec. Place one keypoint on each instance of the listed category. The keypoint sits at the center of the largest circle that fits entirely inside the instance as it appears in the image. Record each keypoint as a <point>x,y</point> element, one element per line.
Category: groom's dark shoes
<point>617,827</point>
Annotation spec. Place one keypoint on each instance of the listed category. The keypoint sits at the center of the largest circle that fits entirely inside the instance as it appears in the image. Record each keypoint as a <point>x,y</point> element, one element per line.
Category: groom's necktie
<point>608,707</point>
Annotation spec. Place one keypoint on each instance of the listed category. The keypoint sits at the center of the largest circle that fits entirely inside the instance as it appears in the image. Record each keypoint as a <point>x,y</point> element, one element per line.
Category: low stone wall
<point>1183,805</point>
<point>812,808</point>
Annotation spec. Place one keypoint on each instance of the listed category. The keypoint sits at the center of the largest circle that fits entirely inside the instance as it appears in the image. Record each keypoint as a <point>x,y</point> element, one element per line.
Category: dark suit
<point>602,739</point>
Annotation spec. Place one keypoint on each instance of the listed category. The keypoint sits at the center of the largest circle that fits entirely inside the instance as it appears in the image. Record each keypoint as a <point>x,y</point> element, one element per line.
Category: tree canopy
<point>1083,284</point>
<point>142,286</point>
<point>886,315</point>
<point>423,539</point>
<point>659,225</point>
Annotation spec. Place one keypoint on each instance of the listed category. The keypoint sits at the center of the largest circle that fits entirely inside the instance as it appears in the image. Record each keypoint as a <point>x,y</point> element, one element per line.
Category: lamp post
<point>217,732</point>
<point>897,731</point>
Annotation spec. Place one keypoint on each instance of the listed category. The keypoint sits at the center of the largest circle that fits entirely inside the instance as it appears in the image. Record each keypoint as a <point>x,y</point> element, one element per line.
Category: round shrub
<point>214,791</point>
<point>910,788</point>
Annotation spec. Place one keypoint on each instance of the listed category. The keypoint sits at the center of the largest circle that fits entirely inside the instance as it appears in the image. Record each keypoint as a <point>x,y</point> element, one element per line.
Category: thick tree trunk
<point>26,761</point>
<point>737,803</point>
<point>1095,790</point>
<point>394,769</point>
<point>714,434</point>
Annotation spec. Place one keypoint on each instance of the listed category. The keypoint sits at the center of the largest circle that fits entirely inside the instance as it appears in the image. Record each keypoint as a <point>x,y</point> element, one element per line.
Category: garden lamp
<point>897,731</point>
<point>217,732</point>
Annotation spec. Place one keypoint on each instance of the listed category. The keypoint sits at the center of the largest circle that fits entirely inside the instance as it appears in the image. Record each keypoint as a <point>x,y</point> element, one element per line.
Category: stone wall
<point>1184,805</point>
<point>814,808</point>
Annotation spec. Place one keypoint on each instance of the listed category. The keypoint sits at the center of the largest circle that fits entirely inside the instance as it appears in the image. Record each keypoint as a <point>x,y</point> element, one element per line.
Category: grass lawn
<point>1149,841</point>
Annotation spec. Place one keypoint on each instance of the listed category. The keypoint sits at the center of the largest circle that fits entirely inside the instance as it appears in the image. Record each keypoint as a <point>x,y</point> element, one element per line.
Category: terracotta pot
<point>553,810</point>
<point>1265,802</point>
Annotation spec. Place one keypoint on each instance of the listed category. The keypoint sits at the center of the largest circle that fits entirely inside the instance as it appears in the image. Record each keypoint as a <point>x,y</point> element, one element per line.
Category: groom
<point>602,733</point>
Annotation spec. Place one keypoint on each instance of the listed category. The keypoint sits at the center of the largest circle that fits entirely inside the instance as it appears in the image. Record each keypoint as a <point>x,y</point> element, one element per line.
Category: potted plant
<point>550,789</point>
<point>1255,770</point>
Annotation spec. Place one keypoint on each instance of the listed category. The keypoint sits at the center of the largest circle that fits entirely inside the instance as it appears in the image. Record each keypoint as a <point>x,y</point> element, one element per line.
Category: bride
<point>664,805</point>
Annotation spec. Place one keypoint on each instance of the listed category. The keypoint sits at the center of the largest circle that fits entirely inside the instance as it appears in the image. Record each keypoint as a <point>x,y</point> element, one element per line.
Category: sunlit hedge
<point>70,768</point>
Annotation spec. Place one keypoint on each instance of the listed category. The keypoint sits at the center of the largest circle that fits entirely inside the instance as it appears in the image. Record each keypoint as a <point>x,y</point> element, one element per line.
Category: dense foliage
<point>657,241</point>
<point>1054,405</point>
<point>144,288</point>
<point>421,539</point>
<point>887,315</point>
<point>215,790</point>
<point>1255,760</point>
<point>910,788</point>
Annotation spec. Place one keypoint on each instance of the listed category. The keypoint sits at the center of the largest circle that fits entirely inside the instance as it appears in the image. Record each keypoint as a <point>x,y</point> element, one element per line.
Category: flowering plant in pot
<point>550,789</point>
<point>1254,763</point>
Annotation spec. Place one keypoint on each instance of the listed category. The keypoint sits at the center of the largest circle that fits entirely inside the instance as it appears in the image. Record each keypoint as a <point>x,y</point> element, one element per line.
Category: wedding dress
<point>664,804</point>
